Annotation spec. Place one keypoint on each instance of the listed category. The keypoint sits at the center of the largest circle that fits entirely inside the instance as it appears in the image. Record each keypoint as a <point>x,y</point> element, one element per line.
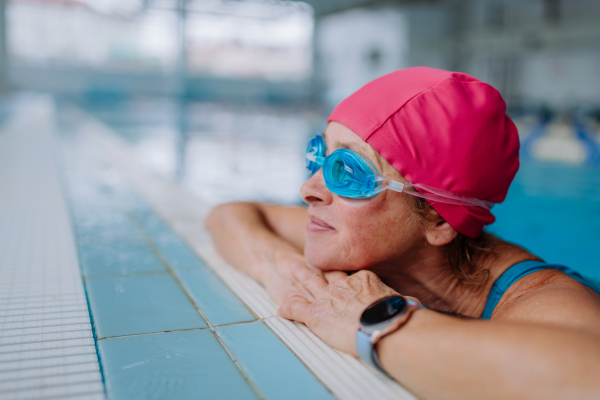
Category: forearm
<point>438,356</point>
<point>242,237</point>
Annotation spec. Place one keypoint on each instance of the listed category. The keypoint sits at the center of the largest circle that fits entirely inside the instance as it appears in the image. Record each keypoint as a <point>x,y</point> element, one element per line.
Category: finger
<point>311,280</point>
<point>335,276</point>
<point>414,299</point>
<point>295,309</point>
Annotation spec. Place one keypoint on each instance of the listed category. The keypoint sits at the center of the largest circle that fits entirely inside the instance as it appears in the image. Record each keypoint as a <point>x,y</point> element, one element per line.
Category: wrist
<point>379,320</point>
<point>407,342</point>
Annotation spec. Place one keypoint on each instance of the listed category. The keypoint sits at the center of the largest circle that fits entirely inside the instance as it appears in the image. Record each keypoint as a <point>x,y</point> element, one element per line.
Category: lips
<point>318,225</point>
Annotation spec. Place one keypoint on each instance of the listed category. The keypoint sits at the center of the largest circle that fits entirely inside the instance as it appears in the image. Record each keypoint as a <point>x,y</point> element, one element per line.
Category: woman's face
<point>353,234</point>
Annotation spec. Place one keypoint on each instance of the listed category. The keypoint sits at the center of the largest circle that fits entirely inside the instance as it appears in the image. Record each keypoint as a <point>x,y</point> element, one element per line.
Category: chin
<point>318,258</point>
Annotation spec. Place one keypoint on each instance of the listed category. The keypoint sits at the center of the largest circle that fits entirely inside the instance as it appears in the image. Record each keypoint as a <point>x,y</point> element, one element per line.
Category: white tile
<point>47,348</point>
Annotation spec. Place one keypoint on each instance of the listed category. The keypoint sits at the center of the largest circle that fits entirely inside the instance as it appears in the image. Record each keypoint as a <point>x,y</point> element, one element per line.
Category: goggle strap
<point>448,197</point>
<point>316,159</point>
<point>396,186</point>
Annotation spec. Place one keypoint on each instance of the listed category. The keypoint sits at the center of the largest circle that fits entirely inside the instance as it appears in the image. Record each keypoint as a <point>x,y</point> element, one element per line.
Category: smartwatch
<point>379,319</point>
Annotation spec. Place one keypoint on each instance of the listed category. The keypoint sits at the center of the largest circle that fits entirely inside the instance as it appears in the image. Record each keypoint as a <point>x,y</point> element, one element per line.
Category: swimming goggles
<point>349,174</point>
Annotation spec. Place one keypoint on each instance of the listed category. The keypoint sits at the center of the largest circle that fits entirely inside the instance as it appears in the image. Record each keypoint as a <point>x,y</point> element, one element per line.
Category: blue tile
<point>140,304</point>
<point>117,257</point>
<point>178,254</point>
<point>174,250</point>
<point>156,228</point>
<point>105,225</point>
<point>211,295</point>
<point>174,365</point>
<point>269,364</point>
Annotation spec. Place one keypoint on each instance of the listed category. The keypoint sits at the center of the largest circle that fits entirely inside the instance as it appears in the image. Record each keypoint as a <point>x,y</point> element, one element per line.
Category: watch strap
<point>366,350</point>
<point>365,347</point>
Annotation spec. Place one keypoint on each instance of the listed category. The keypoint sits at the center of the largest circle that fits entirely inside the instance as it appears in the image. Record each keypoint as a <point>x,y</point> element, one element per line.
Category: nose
<point>315,192</point>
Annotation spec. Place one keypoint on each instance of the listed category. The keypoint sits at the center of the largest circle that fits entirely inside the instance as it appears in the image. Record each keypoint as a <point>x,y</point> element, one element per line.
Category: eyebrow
<point>342,145</point>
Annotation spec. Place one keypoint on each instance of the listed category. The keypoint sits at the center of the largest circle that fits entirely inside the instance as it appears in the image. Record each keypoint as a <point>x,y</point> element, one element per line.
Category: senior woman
<point>403,182</point>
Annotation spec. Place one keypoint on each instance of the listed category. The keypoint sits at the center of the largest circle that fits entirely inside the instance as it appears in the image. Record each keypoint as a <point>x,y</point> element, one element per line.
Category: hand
<point>281,285</point>
<point>332,303</point>
<point>278,279</point>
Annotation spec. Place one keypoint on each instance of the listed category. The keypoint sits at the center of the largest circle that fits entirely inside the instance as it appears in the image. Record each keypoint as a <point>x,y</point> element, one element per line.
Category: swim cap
<point>444,129</point>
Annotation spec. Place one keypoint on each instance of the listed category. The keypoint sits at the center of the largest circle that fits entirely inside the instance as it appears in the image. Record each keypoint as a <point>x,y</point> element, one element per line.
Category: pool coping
<point>345,376</point>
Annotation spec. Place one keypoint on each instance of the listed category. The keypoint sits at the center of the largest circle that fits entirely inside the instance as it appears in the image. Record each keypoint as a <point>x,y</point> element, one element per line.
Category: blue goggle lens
<point>348,174</point>
<point>316,146</point>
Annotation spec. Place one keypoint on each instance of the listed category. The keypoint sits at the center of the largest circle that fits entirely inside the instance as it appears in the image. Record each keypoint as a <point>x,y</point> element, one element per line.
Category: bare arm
<point>438,356</point>
<point>261,240</point>
<point>542,345</point>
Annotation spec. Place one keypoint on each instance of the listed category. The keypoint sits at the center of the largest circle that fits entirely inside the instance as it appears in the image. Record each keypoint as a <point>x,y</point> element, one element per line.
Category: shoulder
<point>550,296</point>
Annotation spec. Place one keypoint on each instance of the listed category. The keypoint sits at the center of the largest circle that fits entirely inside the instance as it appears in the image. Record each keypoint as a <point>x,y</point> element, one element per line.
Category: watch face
<point>383,310</point>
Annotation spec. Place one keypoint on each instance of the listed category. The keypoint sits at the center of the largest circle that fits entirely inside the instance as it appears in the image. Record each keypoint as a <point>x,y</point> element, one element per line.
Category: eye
<point>338,171</point>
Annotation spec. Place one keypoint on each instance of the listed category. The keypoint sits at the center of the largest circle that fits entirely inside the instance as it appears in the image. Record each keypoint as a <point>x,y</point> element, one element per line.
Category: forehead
<point>337,136</point>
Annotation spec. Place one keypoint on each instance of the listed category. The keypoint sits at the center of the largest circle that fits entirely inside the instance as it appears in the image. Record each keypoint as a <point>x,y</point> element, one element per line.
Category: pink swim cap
<point>439,128</point>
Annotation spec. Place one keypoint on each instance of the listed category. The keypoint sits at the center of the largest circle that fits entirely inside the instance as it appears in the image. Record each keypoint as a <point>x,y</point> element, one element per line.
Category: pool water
<point>255,152</point>
<point>553,210</point>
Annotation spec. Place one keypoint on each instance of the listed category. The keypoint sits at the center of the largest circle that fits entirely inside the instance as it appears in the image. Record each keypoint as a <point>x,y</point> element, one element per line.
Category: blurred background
<point>221,96</point>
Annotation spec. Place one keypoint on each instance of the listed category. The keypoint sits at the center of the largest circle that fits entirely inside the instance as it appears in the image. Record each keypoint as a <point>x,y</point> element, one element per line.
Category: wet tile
<point>215,299</point>
<point>271,366</point>
<point>154,226</point>
<point>140,304</point>
<point>174,250</point>
<point>117,257</point>
<point>173,365</point>
<point>178,254</point>
<point>105,225</point>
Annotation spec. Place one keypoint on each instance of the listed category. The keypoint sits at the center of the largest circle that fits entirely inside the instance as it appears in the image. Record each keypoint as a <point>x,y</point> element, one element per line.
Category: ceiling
<point>323,7</point>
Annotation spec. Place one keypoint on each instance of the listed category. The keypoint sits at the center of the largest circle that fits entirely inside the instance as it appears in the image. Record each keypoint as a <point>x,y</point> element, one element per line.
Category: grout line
<point>246,377</point>
<point>180,330</point>
<point>297,355</point>
<point>324,365</point>
<point>41,326</point>
<point>151,333</point>
<point>44,333</point>
<point>41,376</point>
<point>174,271</point>
<point>126,275</point>
<point>63,396</point>
<point>41,313</point>
<point>182,286</point>
<point>42,341</point>
<point>41,307</point>
<point>15,320</point>
<point>46,358</point>
<point>35,296</point>
<point>44,386</point>
<point>46,349</point>
<point>62,170</point>
<point>47,366</point>
<point>240,323</point>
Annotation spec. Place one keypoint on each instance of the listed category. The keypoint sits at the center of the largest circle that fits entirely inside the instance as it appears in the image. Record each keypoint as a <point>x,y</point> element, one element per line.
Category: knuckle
<point>366,277</point>
<point>364,274</point>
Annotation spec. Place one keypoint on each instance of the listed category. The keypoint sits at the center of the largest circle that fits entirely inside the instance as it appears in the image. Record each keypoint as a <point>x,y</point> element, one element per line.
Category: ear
<point>440,233</point>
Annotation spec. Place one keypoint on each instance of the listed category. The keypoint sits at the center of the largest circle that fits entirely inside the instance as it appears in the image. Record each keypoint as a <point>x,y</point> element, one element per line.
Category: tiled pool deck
<point>47,348</point>
<point>166,323</point>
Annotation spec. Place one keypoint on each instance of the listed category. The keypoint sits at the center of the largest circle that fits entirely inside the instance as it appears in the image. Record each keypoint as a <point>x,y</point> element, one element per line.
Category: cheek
<point>372,234</point>
<point>368,233</point>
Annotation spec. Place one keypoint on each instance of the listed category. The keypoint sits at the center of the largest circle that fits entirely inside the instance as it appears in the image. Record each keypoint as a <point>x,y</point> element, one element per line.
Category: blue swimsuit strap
<point>517,272</point>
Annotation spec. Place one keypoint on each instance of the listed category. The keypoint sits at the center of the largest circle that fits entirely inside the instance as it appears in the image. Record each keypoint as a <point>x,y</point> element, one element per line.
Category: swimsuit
<point>520,270</point>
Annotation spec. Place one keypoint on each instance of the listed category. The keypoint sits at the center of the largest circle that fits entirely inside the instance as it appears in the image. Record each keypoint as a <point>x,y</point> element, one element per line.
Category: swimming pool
<point>255,152</point>
<point>554,211</point>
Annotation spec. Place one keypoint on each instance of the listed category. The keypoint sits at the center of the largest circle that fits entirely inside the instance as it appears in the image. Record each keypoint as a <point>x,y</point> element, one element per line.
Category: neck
<point>428,276</point>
